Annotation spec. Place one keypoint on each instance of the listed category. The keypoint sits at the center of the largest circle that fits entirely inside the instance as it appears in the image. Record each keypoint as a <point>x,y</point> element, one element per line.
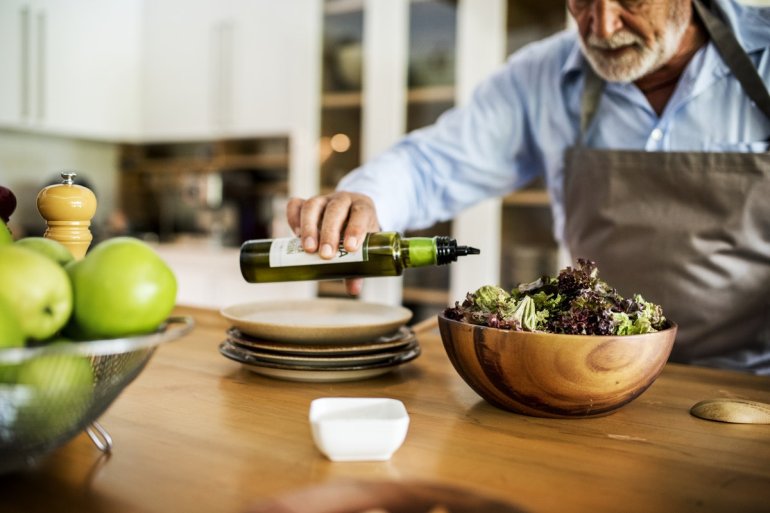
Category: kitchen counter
<point>197,433</point>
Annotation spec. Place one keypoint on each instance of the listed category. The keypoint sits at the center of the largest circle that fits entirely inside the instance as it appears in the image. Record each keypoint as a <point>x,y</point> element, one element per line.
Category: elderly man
<point>651,127</point>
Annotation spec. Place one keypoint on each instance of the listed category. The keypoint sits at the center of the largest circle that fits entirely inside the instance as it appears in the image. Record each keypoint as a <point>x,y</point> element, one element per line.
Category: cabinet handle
<point>226,83</point>
<point>24,62</point>
<point>222,67</point>
<point>216,69</point>
<point>41,64</point>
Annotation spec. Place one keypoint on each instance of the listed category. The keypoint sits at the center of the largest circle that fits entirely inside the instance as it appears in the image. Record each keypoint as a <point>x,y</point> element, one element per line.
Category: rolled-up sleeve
<point>465,157</point>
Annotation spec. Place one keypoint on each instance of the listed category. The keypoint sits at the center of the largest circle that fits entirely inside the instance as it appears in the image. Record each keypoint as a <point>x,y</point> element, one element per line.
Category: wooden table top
<point>195,432</point>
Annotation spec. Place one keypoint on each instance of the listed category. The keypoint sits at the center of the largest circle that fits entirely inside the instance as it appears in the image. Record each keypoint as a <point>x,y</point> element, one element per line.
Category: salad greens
<point>576,302</point>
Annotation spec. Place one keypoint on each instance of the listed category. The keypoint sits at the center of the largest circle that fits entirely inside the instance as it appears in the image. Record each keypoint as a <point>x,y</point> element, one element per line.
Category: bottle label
<point>288,252</point>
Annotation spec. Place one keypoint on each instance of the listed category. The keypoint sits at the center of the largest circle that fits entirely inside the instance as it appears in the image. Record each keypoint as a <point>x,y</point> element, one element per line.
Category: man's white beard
<point>638,59</point>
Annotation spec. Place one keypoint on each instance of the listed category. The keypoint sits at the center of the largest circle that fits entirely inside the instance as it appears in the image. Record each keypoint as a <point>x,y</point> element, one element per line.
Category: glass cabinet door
<point>431,82</point>
<point>528,247</point>
<point>431,89</point>
<point>431,61</point>
<point>341,78</point>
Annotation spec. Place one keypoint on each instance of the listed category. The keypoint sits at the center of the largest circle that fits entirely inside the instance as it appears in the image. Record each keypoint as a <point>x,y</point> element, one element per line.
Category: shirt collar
<point>575,61</point>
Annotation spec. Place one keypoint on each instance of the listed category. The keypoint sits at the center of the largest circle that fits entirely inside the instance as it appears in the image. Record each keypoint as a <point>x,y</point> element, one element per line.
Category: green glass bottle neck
<point>434,251</point>
<point>419,251</point>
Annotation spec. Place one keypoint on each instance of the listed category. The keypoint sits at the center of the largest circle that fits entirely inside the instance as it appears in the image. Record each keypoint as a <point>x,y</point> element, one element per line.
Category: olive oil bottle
<point>381,254</point>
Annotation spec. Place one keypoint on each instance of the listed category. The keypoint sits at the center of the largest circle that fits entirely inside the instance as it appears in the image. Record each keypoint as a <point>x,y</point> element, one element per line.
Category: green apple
<point>51,248</point>
<point>57,374</point>
<point>10,336</point>
<point>10,328</point>
<point>36,289</point>
<point>5,234</point>
<point>121,288</point>
<point>61,388</point>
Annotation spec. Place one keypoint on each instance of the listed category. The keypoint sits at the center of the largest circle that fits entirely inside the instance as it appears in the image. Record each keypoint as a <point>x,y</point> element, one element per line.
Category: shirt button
<point>657,134</point>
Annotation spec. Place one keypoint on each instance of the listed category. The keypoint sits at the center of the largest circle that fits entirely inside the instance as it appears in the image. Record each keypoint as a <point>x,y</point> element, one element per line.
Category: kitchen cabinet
<point>144,72</point>
<point>70,67</point>
<point>179,60</point>
<point>383,79</point>
<point>264,34</point>
<point>236,84</point>
<point>225,71</point>
<point>528,249</point>
<point>156,70</point>
<point>388,69</point>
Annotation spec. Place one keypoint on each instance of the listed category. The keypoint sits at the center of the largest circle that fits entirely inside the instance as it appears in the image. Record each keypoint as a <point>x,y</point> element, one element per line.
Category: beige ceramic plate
<point>317,321</point>
<point>313,360</point>
<point>292,372</point>
<point>400,338</point>
<point>312,376</point>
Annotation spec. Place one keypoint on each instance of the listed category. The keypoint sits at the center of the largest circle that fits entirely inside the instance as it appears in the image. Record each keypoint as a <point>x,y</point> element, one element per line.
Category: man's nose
<point>605,18</point>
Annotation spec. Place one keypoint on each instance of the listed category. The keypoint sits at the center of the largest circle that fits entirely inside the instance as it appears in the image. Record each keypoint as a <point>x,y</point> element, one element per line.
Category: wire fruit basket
<point>51,393</point>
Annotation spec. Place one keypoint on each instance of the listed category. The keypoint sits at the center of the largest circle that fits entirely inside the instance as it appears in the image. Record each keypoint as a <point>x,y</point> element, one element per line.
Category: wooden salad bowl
<point>551,375</point>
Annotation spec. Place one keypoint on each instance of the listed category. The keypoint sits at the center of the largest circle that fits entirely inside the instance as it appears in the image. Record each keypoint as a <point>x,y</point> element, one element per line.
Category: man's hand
<point>322,221</point>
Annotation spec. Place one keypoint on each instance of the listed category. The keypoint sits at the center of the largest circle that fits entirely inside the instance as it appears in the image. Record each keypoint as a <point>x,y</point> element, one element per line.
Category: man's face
<point>625,40</point>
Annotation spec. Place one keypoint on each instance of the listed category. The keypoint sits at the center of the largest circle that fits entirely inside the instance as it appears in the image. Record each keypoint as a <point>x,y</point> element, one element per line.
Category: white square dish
<point>358,428</point>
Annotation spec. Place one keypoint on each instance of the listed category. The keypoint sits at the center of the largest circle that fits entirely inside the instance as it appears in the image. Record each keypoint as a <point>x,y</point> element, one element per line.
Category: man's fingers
<point>310,216</point>
<point>319,221</point>
<point>354,286</point>
<point>334,218</point>
<point>362,219</point>
<point>293,209</point>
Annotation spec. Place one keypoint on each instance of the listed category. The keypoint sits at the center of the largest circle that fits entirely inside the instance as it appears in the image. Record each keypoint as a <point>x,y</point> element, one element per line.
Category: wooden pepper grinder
<point>68,209</point>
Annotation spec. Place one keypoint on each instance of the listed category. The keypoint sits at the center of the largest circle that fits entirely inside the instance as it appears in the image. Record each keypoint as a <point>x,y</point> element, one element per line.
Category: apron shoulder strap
<point>733,54</point>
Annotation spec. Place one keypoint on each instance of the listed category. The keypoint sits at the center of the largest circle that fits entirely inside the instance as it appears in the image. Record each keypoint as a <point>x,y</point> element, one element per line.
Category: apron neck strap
<point>589,102</point>
<point>726,44</point>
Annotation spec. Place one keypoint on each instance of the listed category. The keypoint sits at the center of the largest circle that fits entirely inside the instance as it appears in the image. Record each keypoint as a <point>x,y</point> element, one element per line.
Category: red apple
<point>7,203</point>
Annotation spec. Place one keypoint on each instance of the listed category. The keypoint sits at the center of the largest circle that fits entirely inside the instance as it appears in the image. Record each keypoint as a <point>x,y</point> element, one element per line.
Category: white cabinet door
<point>70,66</point>
<point>182,59</point>
<point>88,76</point>
<point>219,68</point>
<point>15,23</point>
<point>152,70</point>
<point>258,88</point>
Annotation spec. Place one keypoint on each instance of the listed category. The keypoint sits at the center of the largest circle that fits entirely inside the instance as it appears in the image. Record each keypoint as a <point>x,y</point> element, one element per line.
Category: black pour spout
<point>447,250</point>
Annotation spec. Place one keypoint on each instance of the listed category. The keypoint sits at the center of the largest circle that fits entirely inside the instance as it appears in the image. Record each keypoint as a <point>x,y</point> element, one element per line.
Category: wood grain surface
<point>559,376</point>
<point>738,411</point>
<point>197,433</point>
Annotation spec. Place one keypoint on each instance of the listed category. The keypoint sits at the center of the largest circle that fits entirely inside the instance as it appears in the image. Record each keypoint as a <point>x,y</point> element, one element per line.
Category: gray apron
<point>689,231</point>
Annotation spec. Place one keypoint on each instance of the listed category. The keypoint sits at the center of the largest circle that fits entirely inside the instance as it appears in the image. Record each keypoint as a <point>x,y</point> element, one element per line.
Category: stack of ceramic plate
<point>320,339</point>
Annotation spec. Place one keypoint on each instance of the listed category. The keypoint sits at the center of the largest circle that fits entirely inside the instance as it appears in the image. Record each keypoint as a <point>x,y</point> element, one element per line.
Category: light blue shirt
<point>521,120</point>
